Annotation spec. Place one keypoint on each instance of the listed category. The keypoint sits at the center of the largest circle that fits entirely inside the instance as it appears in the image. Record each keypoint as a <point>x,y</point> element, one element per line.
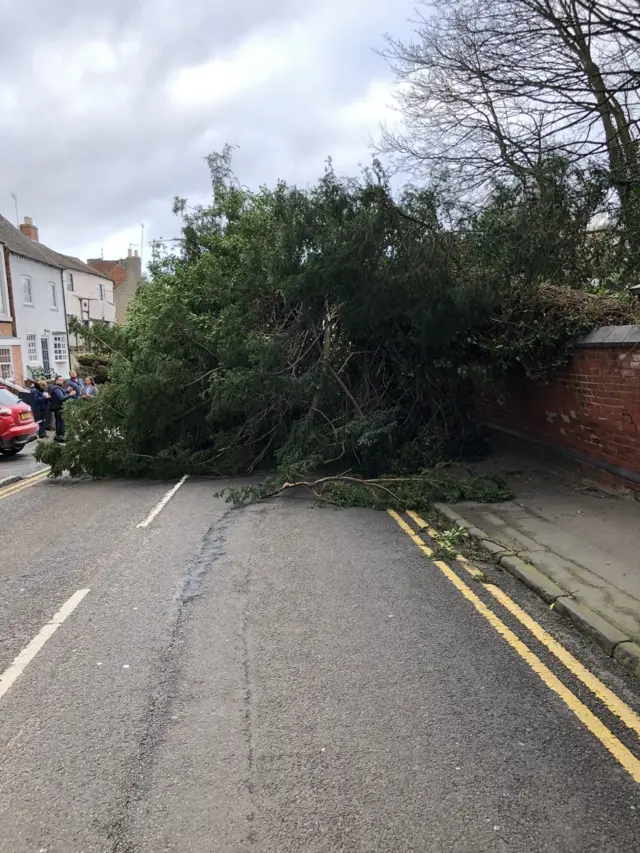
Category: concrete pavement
<point>282,678</point>
<point>575,543</point>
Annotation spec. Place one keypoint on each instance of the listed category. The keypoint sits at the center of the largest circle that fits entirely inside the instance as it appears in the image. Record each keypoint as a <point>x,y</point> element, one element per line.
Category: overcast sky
<point>107,109</point>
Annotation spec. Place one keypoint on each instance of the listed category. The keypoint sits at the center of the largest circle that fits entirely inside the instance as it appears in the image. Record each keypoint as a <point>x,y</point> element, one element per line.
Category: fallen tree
<point>329,329</point>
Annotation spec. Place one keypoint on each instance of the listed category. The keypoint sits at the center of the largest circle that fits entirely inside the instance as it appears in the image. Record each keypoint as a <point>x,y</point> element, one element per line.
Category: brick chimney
<point>29,229</point>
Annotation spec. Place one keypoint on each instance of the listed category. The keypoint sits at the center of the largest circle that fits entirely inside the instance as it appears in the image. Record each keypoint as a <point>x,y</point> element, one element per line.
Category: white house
<point>88,292</point>
<point>36,304</point>
<point>42,289</point>
<point>89,295</point>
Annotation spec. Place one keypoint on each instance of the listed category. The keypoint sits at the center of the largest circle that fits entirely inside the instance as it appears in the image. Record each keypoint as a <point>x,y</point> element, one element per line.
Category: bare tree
<point>618,16</point>
<point>491,87</point>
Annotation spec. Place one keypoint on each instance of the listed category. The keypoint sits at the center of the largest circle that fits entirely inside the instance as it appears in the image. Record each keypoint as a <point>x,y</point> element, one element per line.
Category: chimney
<point>29,229</point>
<point>133,265</point>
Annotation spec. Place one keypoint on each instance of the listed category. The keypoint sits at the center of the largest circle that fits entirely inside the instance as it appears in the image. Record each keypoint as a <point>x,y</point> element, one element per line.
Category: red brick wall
<point>590,408</point>
<point>18,370</point>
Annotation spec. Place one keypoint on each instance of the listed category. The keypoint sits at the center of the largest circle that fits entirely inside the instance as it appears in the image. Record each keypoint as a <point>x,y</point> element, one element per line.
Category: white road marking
<point>165,500</point>
<point>13,672</point>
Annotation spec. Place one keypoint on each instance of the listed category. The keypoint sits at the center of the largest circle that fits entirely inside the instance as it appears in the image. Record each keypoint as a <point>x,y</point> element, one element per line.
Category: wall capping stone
<point>611,336</point>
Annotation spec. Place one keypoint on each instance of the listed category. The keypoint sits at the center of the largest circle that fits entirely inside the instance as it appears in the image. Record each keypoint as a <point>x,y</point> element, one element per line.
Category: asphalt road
<point>21,465</point>
<point>283,678</point>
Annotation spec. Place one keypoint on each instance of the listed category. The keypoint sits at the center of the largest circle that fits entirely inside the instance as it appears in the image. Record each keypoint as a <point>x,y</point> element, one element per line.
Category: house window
<point>6,365</point>
<point>46,364</point>
<point>4,295</point>
<point>53,295</point>
<point>32,348</point>
<point>59,347</point>
<point>27,295</point>
<point>67,278</point>
<point>101,291</point>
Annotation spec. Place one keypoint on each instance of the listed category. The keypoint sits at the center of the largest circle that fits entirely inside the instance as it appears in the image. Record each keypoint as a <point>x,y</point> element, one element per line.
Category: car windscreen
<point>7,398</point>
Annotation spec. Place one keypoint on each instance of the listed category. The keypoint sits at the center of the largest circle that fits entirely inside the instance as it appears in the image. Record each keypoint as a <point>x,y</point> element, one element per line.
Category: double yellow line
<point>612,702</point>
<point>21,485</point>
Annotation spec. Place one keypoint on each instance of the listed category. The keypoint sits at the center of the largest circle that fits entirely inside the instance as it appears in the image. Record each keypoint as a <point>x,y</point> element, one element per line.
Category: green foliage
<point>533,332</point>
<point>452,539</point>
<point>336,327</point>
<point>417,492</point>
<point>295,329</point>
<point>536,228</point>
<point>91,359</point>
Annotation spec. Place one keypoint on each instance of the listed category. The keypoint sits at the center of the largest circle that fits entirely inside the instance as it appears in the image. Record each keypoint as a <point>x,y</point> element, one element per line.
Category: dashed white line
<point>165,500</point>
<point>13,672</point>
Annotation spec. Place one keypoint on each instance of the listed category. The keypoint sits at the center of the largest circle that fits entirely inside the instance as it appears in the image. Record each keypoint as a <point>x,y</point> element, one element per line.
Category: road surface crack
<point>163,689</point>
<point>252,836</point>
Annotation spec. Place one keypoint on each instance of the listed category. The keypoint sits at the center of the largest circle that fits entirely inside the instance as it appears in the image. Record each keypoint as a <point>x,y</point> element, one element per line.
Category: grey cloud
<point>93,151</point>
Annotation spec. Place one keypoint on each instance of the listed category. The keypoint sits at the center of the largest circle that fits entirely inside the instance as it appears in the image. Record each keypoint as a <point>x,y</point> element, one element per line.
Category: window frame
<point>3,364</point>
<point>68,281</point>
<point>27,280</point>
<point>53,296</point>
<point>60,348</point>
<point>44,346</point>
<point>5,308</point>
<point>32,349</point>
<point>102,291</point>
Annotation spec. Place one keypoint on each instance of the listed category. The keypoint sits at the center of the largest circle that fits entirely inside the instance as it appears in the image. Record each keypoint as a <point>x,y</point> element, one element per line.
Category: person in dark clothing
<point>46,421</point>
<point>38,403</point>
<point>58,398</point>
<point>75,384</point>
<point>48,385</point>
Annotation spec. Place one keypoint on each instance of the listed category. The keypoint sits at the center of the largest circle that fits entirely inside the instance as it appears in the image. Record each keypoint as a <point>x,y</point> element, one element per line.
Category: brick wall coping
<point>611,336</point>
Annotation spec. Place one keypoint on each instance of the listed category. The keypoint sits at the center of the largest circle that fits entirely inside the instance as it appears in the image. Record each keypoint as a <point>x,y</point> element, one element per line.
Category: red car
<point>17,426</point>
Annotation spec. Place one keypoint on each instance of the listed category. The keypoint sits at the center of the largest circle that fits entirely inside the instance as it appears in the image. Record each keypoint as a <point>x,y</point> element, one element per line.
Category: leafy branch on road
<point>401,493</point>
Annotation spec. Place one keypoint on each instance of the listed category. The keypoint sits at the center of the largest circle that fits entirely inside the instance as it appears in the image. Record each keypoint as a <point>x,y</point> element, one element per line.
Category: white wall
<point>40,318</point>
<point>86,287</point>
<point>5,313</point>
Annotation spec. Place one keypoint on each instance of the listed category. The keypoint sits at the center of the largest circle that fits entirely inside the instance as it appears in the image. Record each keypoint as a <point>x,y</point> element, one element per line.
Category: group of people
<point>47,398</point>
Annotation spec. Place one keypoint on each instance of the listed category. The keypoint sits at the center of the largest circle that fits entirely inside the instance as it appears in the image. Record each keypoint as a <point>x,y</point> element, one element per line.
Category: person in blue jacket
<point>58,398</point>
<point>75,383</point>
